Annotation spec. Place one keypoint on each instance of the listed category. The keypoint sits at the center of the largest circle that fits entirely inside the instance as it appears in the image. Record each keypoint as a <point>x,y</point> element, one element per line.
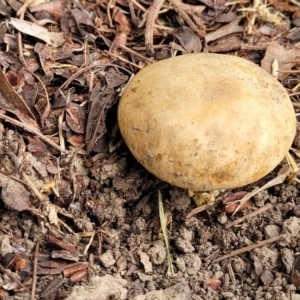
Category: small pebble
<point>107,259</point>
<point>222,218</point>
<point>271,231</point>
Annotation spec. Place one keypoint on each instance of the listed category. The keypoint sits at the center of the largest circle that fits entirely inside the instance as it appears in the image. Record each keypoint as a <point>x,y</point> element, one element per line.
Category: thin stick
<point>32,130</point>
<point>32,187</point>
<point>21,13</point>
<point>185,16</point>
<point>60,131</point>
<point>137,54</point>
<point>109,5</point>
<point>34,273</point>
<point>96,65</point>
<point>198,210</point>
<point>231,274</point>
<point>151,17</point>
<point>252,214</point>
<point>89,243</point>
<point>289,71</point>
<point>250,247</point>
<point>142,8</point>
<point>122,59</point>
<point>154,47</point>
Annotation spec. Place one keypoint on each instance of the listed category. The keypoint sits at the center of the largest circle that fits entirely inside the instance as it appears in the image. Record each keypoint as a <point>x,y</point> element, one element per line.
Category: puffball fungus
<point>207,121</point>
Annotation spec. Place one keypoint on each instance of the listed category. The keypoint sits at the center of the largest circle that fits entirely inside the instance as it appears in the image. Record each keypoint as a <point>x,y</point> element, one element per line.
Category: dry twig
<point>152,15</point>
<point>186,17</point>
<point>254,213</point>
<point>21,13</point>
<point>198,210</point>
<point>34,271</point>
<point>231,273</point>
<point>232,27</point>
<point>32,130</point>
<point>250,247</point>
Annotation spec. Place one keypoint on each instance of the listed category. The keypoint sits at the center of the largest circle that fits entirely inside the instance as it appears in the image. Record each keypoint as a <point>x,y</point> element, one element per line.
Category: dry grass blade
<point>163,222</point>
<point>251,215</point>
<point>277,180</point>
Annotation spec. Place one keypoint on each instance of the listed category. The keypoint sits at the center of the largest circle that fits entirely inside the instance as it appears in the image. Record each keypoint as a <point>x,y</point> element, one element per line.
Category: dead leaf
<point>84,20</point>
<point>36,147</point>
<point>76,118</point>
<point>123,29</point>
<point>55,8</point>
<point>234,196</point>
<point>5,9</point>
<point>54,39</point>
<point>232,27</point>
<point>226,44</point>
<point>52,288</point>
<point>188,39</point>
<point>43,109</point>
<point>11,101</point>
<point>96,126</point>
<point>217,5</point>
<point>77,140</point>
<point>231,205</point>
<point>294,35</point>
<point>13,79</point>
<point>283,5</point>
<point>225,17</point>
<point>64,189</point>
<point>287,58</point>
<point>21,261</point>
<point>48,56</point>
<point>52,169</point>
<point>114,78</point>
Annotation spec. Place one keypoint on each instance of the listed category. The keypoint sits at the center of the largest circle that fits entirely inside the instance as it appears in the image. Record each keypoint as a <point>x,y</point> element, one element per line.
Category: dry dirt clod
<point>107,259</point>
<point>183,241</point>
<point>101,288</point>
<point>157,253</point>
<point>288,259</point>
<point>192,263</point>
<point>177,292</point>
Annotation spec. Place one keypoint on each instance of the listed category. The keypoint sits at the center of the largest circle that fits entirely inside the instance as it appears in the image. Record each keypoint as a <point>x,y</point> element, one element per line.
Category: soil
<point>79,215</point>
